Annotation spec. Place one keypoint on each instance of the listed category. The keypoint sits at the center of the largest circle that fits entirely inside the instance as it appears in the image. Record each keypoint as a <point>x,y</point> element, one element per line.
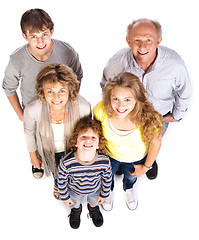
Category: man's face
<point>143,41</point>
<point>40,44</point>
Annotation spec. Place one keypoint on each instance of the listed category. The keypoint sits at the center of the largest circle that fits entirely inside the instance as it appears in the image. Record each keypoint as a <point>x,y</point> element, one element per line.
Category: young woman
<point>132,128</point>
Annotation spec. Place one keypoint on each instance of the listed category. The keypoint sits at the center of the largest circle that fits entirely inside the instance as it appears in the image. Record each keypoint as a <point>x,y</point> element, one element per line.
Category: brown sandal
<point>56,193</point>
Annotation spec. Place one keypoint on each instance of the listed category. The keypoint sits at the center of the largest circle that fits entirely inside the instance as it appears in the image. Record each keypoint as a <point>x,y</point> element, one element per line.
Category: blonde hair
<point>156,24</point>
<point>82,126</point>
<point>143,114</point>
<point>54,73</point>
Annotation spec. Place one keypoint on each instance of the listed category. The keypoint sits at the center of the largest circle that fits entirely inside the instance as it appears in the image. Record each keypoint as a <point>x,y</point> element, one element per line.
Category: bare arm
<point>14,101</point>
<point>153,151</point>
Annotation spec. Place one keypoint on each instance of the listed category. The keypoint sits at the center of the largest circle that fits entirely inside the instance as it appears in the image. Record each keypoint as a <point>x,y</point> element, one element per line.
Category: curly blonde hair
<point>143,114</point>
<point>82,126</point>
<point>54,73</point>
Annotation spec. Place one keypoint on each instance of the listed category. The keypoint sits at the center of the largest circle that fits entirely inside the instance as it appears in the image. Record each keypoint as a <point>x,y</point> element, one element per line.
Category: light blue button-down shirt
<point>167,81</point>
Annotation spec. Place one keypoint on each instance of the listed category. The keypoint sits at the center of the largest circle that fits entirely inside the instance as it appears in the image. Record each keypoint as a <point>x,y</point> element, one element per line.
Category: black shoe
<point>152,173</point>
<point>96,215</point>
<point>37,173</point>
<point>120,170</point>
<point>74,215</point>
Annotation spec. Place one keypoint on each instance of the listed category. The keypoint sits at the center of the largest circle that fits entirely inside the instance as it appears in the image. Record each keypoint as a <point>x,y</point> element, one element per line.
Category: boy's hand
<point>100,200</point>
<point>69,202</point>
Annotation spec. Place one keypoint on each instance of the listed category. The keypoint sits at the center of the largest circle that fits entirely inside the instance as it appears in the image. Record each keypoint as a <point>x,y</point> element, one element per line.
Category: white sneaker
<point>130,199</point>
<point>108,203</point>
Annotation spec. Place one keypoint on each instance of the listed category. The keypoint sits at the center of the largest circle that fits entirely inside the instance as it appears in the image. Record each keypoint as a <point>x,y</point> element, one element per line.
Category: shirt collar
<point>158,60</point>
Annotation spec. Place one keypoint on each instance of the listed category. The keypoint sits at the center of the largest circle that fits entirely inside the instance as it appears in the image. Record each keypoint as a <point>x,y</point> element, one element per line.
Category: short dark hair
<point>35,20</point>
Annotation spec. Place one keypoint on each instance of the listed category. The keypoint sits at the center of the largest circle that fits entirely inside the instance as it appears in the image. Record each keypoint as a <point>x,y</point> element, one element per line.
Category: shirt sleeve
<point>98,112</point>
<point>63,182</point>
<point>115,65</point>
<point>182,93</point>
<point>11,79</point>
<point>30,125</point>
<point>76,65</point>
<point>106,181</point>
<point>112,69</point>
<point>84,106</point>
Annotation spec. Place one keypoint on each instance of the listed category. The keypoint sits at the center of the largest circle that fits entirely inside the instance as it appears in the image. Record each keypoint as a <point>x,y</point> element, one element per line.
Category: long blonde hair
<point>143,114</point>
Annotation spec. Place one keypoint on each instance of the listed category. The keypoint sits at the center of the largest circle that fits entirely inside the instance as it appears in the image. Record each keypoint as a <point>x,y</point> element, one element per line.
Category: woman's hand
<point>36,162</point>
<point>139,170</point>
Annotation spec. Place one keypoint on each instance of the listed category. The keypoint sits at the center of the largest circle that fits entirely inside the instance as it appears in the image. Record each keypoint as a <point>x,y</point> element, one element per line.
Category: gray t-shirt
<point>23,68</point>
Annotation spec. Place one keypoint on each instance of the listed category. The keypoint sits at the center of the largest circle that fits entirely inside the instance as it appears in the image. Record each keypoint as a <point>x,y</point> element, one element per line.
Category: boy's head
<point>36,20</point>
<point>84,125</point>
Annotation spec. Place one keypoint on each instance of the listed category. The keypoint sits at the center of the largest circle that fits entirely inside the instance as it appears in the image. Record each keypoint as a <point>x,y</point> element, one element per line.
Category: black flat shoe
<point>37,173</point>
<point>152,173</point>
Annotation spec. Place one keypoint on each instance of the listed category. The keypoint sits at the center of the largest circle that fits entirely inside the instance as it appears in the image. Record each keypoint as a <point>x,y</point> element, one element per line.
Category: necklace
<point>57,121</point>
<point>61,121</point>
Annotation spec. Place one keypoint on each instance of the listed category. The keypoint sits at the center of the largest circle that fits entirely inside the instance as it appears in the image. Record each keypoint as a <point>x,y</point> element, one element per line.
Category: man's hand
<point>169,118</point>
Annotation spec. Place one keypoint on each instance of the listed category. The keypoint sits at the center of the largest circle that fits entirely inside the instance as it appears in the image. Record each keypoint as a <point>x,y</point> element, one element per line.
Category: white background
<point>168,206</point>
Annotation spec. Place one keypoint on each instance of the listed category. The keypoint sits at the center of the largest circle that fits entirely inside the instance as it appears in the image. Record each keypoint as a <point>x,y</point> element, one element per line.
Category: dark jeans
<point>128,180</point>
<point>58,157</point>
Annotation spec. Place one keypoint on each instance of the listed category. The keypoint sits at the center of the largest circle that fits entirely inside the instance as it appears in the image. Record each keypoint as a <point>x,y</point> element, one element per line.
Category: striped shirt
<point>84,178</point>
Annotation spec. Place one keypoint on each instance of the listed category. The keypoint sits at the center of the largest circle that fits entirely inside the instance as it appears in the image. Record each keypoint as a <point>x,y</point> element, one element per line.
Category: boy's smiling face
<point>88,141</point>
<point>40,43</point>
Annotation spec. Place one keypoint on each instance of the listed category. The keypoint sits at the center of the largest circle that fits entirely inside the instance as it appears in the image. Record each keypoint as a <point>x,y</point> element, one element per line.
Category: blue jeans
<point>58,157</point>
<point>165,127</point>
<point>91,198</point>
<point>128,179</point>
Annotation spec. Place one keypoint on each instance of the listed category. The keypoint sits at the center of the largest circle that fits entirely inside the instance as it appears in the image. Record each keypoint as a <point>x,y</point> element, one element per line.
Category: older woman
<point>49,120</point>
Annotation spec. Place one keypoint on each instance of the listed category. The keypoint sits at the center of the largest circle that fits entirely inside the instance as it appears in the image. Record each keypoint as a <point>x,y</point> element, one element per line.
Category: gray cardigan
<point>37,124</point>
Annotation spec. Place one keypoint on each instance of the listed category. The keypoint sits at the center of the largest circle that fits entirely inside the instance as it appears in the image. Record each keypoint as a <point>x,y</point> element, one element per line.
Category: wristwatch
<point>148,167</point>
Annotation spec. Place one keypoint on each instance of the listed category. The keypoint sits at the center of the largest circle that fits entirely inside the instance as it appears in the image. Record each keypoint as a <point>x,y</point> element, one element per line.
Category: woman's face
<point>122,101</point>
<point>56,95</point>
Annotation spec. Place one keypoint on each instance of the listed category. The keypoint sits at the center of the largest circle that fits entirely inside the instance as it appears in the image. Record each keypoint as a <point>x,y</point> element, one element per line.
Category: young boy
<point>25,63</point>
<point>85,172</point>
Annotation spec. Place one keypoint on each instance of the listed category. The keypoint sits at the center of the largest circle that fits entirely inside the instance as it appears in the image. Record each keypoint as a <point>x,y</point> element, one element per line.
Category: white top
<point>58,131</point>
<point>119,132</point>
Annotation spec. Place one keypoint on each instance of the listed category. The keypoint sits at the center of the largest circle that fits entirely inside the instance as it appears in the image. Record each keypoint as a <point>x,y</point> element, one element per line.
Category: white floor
<point>168,206</point>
